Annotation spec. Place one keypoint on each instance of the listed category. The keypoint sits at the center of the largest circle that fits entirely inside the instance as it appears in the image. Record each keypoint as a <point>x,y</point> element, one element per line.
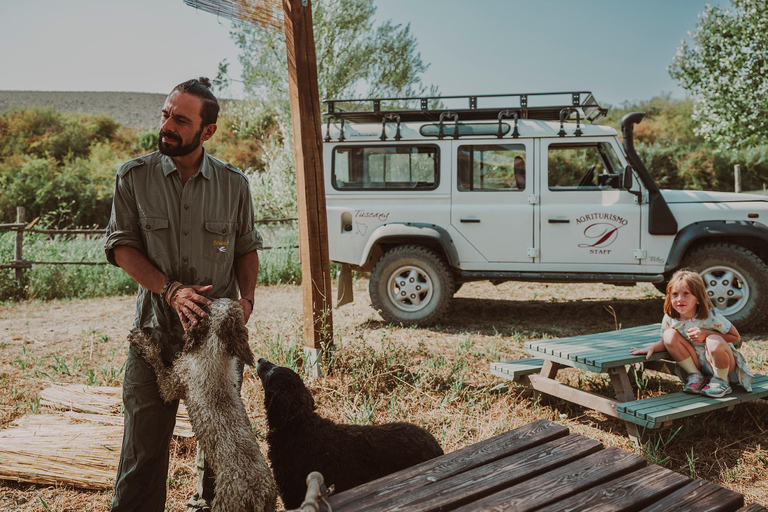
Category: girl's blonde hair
<point>696,286</point>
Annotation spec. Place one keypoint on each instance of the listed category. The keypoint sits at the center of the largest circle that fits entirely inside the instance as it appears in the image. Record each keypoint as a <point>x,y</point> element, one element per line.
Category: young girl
<point>699,338</point>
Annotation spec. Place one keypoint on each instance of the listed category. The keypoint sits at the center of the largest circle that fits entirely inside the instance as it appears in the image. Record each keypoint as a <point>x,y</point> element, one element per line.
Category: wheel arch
<point>750,235</point>
<point>389,236</point>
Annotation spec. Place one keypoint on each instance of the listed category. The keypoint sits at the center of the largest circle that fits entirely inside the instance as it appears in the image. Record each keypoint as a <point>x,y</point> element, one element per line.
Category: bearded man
<point>182,226</point>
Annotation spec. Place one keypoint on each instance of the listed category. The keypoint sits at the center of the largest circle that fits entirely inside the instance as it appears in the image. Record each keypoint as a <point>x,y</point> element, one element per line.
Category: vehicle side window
<point>580,166</point>
<point>491,167</point>
<point>386,168</point>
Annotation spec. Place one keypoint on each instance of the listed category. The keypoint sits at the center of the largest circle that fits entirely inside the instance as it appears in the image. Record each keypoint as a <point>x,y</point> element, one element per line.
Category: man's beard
<point>181,149</point>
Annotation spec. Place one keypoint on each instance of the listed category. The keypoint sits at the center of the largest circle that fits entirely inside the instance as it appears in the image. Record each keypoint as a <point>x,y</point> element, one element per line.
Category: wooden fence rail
<point>20,227</point>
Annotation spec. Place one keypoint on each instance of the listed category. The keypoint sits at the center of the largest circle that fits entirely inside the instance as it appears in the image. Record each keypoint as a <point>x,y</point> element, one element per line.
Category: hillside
<point>133,109</point>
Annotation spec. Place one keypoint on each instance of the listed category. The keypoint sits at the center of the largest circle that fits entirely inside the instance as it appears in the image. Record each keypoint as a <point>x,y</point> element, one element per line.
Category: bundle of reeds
<point>75,397</point>
<point>79,446</point>
<point>50,449</point>
<point>102,403</point>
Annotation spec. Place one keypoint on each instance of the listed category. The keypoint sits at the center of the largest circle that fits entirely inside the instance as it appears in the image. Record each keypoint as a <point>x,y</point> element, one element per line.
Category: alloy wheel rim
<point>727,288</point>
<point>410,288</point>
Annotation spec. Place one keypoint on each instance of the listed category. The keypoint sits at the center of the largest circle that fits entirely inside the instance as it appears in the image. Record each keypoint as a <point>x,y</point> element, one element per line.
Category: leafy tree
<point>355,58</point>
<point>726,70</point>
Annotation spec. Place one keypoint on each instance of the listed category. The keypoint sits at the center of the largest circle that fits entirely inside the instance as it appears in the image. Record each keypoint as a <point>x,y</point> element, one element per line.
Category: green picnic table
<point>608,353</point>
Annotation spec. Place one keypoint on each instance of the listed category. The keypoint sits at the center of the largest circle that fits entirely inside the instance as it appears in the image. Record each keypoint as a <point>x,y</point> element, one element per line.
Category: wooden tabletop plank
<point>472,485</point>
<point>601,351</point>
<point>565,361</point>
<point>699,496</point>
<point>561,483</point>
<point>627,493</point>
<point>465,459</point>
<point>754,507</point>
<point>643,332</point>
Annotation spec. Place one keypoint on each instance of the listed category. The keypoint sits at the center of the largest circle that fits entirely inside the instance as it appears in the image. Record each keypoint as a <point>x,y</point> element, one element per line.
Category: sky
<point>619,49</point>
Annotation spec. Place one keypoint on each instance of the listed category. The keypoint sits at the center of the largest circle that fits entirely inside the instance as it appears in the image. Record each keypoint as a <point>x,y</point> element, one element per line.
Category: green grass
<point>47,282</point>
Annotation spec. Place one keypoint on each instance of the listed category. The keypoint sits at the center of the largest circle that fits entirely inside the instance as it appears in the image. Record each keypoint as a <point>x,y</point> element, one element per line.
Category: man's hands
<point>185,302</point>
<point>247,309</point>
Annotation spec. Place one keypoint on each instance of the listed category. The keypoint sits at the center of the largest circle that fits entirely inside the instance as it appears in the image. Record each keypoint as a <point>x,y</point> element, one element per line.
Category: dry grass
<point>435,377</point>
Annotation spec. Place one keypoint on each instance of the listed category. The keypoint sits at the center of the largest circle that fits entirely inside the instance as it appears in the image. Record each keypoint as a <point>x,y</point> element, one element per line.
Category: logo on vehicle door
<point>601,231</point>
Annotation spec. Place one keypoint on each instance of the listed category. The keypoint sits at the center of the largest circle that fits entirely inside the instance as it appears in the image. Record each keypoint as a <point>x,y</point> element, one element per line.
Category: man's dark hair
<point>201,87</point>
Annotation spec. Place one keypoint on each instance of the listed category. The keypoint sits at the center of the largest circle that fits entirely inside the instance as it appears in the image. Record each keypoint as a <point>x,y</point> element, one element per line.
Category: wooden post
<point>17,252</point>
<point>307,146</point>
<point>737,178</point>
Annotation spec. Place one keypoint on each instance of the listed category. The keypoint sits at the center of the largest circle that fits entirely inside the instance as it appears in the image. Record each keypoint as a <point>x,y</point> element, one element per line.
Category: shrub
<point>77,192</point>
<point>147,141</point>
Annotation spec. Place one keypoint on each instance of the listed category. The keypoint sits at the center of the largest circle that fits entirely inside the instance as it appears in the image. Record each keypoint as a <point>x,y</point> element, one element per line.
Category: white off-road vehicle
<point>518,188</point>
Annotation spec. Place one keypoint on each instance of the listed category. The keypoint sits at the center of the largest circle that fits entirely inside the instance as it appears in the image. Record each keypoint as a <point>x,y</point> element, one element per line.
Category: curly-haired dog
<point>206,376</point>
<point>300,441</point>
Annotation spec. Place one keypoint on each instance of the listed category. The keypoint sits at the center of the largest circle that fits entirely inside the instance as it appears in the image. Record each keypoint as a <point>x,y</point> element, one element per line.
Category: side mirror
<point>626,182</point>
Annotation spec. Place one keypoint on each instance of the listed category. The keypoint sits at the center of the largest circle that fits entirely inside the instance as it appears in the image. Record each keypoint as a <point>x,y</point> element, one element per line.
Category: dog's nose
<point>261,360</point>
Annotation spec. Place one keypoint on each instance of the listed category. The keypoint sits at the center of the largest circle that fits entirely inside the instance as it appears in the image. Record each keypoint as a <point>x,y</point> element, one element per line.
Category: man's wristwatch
<point>249,302</point>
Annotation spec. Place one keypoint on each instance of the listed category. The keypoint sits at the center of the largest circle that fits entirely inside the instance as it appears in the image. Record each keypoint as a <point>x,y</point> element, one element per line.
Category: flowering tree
<point>725,69</point>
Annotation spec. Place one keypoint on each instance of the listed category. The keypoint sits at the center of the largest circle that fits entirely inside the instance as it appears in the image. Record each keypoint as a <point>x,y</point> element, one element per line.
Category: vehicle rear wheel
<point>736,281</point>
<point>411,285</point>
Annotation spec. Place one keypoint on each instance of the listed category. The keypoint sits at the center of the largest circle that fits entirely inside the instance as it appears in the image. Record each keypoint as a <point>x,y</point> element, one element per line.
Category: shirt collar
<point>206,168</point>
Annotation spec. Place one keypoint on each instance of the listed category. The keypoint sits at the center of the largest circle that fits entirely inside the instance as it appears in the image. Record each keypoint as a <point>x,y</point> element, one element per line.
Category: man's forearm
<point>140,268</point>
<point>247,273</point>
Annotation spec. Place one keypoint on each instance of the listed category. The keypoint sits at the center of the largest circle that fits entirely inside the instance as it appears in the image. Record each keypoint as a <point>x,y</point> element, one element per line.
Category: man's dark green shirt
<point>191,233</point>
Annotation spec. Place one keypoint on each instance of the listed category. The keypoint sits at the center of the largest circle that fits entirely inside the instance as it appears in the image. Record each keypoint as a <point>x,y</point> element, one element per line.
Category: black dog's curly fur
<point>300,441</point>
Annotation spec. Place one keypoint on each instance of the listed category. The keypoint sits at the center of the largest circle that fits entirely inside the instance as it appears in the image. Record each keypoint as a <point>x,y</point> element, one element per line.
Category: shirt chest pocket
<point>155,234</point>
<point>219,241</point>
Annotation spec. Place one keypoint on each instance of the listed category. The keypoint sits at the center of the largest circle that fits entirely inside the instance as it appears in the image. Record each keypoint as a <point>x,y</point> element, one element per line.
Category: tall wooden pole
<point>307,144</point>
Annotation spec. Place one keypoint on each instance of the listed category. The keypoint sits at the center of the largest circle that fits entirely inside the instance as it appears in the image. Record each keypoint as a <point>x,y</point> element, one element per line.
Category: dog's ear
<point>234,334</point>
<point>140,337</point>
<point>195,335</point>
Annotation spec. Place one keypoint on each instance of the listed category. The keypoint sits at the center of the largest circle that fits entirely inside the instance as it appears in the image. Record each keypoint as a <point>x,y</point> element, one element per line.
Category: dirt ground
<point>452,392</point>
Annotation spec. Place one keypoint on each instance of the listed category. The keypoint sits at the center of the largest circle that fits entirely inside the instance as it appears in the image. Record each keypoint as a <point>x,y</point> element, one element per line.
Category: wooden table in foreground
<point>608,352</point>
<point>539,466</point>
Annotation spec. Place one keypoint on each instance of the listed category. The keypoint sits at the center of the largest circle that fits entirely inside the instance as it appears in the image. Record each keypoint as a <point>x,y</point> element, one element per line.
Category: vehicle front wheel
<point>411,285</point>
<point>736,281</point>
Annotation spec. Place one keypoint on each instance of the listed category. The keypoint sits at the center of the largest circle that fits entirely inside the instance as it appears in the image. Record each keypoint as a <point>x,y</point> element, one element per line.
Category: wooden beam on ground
<point>307,143</point>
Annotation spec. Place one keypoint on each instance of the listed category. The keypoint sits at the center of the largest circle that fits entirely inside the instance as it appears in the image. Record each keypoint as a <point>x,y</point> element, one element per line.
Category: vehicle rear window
<point>401,167</point>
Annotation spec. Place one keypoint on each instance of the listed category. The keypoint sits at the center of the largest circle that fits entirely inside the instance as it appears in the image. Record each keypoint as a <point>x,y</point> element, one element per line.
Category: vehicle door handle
<point>471,221</point>
<point>559,221</point>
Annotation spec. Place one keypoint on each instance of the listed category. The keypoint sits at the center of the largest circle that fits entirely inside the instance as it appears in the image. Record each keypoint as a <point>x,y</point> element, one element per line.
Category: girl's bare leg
<point>679,348</point>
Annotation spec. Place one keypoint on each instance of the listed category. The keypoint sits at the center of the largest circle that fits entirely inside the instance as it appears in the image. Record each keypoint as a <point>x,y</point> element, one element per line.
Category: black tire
<point>411,285</point>
<point>736,280</point>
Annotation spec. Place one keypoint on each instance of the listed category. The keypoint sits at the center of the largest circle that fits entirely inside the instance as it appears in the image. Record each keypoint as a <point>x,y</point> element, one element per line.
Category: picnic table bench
<point>539,466</point>
<point>608,352</point>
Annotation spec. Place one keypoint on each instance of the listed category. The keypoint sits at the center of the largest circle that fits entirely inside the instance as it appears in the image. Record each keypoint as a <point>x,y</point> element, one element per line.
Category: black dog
<point>300,441</point>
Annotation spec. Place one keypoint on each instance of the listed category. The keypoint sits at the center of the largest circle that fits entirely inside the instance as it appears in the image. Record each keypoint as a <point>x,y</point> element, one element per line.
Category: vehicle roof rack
<point>539,105</point>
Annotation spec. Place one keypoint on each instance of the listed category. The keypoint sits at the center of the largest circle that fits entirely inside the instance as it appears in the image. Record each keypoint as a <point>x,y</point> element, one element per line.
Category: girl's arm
<point>700,335</point>
<point>649,350</point>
